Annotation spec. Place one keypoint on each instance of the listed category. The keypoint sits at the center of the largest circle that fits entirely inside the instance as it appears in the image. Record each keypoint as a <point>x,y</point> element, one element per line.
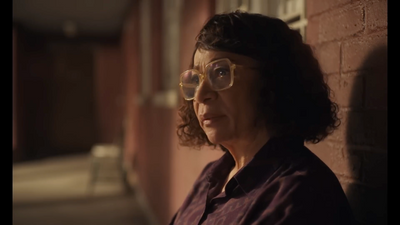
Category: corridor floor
<point>56,191</point>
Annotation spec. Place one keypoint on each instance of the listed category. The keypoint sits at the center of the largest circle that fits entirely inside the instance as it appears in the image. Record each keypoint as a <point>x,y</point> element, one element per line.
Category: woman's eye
<point>221,72</point>
<point>195,79</point>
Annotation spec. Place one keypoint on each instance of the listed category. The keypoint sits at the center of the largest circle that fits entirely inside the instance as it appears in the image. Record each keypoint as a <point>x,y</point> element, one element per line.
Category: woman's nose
<point>204,92</point>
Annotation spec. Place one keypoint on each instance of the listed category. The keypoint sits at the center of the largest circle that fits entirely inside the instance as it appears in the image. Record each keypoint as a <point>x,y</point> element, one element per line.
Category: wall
<point>109,92</point>
<point>18,115</point>
<point>164,171</point>
<point>32,93</point>
<point>53,93</point>
<point>131,64</point>
<point>350,40</point>
<point>71,110</point>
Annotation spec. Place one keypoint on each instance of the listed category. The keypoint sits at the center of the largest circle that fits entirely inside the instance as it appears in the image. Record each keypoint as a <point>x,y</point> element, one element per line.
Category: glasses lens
<point>190,81</point>
<point>219,75</point>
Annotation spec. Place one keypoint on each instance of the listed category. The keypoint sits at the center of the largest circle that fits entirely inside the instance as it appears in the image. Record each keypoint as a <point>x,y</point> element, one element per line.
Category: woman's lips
<point>211,120</point>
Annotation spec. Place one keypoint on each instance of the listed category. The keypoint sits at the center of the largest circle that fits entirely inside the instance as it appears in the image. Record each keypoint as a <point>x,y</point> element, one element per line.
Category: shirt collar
<point>263,164</point>
<point>266,161</point>
<point>221,168</point>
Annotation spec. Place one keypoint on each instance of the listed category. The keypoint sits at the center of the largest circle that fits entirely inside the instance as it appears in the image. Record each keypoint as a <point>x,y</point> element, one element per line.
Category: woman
<point>256,91</point>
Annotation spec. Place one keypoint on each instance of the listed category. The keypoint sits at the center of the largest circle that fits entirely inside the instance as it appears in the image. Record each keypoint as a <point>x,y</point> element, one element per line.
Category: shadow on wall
<point>367,126</point>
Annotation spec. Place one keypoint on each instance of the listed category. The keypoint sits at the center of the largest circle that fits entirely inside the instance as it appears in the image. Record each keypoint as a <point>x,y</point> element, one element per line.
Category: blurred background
<point>95,100</point>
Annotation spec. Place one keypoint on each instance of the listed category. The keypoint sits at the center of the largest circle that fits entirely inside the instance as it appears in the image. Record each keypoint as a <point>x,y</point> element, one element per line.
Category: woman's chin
<point>216,138</point>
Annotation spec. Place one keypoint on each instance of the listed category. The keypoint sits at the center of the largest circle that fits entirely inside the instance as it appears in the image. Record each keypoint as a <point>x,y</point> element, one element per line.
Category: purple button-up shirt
<point>284,183</point>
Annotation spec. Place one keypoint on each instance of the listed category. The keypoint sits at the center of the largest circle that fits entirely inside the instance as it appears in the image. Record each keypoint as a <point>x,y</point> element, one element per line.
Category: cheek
<point>195,107</point>
<point>243,102</point>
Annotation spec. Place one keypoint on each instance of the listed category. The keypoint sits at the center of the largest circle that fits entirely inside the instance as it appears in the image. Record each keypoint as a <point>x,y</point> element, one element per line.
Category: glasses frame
<point>202,76</point>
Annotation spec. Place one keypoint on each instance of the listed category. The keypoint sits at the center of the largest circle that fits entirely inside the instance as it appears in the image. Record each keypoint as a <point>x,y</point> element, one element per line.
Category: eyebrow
<point>197,67</point>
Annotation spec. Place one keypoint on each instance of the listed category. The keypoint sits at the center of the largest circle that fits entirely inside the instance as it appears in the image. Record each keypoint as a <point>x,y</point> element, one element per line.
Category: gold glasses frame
<point>202,76</point>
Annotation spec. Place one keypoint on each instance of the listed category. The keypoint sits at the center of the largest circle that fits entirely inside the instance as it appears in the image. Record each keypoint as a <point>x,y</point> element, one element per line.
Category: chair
<point>106,159</point>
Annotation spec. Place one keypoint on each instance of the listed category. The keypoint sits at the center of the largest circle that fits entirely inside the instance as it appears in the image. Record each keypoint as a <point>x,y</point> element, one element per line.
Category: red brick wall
<point>350,41</point>
<point>131,64</point>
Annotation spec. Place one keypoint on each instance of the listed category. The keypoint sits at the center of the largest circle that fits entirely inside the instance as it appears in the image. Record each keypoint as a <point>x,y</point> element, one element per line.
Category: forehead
<point>203,57</point>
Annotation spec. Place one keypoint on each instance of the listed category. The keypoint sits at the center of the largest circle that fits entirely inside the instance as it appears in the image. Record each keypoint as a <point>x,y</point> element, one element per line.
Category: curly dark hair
<point>294,99</point>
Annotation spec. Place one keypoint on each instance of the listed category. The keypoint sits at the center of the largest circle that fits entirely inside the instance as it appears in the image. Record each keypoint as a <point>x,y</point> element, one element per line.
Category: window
<point>293,12</point>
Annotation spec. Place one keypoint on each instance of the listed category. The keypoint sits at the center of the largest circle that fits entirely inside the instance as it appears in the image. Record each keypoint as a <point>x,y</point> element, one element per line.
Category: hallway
<point>56,191</point>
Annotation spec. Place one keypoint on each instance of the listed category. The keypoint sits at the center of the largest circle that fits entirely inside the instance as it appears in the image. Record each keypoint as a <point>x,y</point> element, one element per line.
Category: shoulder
<point>306,189</point>
<point>311,168</point>
<point>308,175</point>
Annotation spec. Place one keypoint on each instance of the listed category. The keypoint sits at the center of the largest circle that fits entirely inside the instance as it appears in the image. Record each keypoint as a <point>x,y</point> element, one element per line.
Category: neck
<point>244,149</point>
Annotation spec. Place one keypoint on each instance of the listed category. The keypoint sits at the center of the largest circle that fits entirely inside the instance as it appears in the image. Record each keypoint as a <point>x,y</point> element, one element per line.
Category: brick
<point>312,31</point>
<point>374,169</point>
<point>318,6</point>
<point>377,126</point>
<point>331,153</point>
<point>329,57</point>
<point>339,135</point>
<point>358,53</point>
<point>376,80</point>
<point>366,128</point>
<point>341,23</point>
<point>345,182</point>
<point>376,15</point>
<point>320,150</point>
<point>355,132</point>
<point>350,92</point>
<point>369,204</point>
<point>333,82</point>
<point>353,161</point>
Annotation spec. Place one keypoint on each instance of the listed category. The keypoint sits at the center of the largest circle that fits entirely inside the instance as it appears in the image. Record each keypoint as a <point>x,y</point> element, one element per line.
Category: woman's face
<point>229,115</point>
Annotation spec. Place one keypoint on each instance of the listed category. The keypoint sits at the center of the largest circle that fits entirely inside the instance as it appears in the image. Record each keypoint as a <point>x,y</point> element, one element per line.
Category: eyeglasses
<point>220,75</point>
